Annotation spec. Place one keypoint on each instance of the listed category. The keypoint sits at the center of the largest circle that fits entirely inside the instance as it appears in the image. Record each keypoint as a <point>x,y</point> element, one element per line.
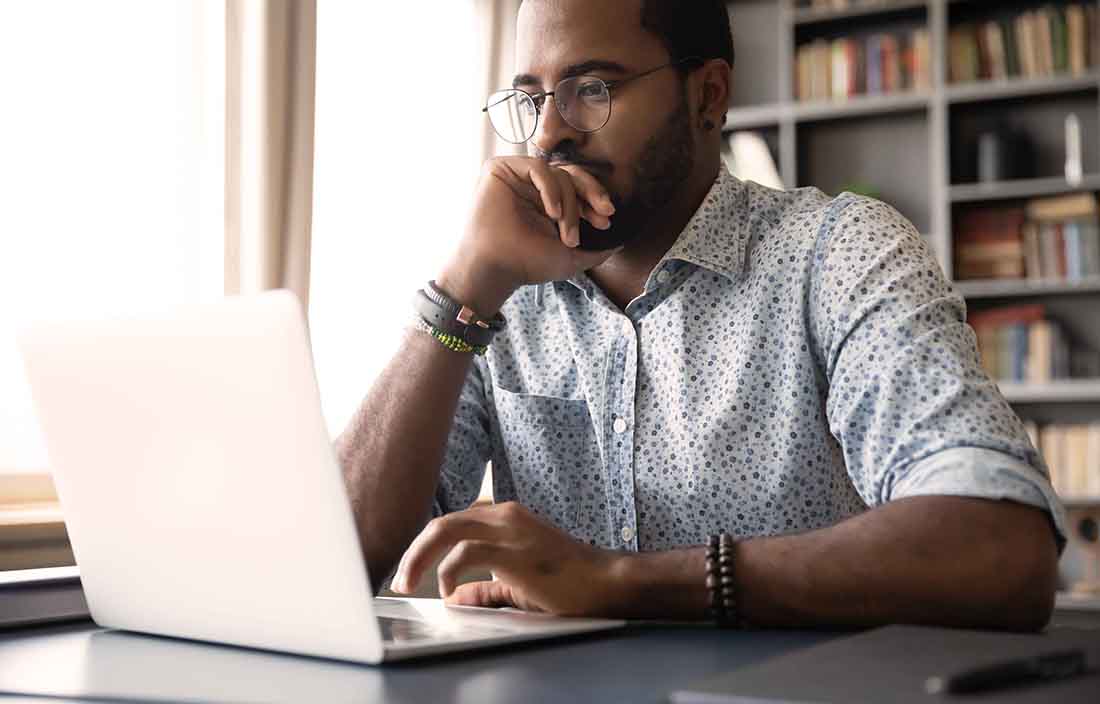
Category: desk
<point>640,664</point>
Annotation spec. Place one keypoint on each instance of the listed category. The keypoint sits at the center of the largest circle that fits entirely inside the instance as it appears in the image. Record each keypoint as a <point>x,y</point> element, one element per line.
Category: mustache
<point>570,156</point>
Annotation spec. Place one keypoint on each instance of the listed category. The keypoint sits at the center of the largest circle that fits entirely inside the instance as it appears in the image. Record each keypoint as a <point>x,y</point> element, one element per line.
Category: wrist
<point>668,584</point>
<point>482,291</point>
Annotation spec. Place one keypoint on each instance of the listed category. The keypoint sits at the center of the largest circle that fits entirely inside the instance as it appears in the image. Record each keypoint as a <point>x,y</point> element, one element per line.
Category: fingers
<point>549,189</point>
<point>488,594</point>
<point>437,538</point>
<point>570,220</point>
<point>592,193</point>
<point>568,193</point>
<point>467,555</point>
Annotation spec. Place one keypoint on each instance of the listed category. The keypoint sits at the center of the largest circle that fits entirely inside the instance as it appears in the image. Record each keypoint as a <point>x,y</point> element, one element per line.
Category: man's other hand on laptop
<point>536,566</point>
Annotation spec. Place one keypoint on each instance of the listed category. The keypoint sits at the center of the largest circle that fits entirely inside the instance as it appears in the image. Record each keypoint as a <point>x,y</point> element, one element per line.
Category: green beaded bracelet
<point>451,342</point>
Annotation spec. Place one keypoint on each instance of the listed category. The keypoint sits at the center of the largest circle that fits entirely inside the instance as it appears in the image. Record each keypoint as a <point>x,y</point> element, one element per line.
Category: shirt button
<point>627,533</point>
<point>662,277</point>
<point>619,426</point>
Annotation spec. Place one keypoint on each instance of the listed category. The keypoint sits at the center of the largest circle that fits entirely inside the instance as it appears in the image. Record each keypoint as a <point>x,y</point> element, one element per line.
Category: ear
<point>714,79</point>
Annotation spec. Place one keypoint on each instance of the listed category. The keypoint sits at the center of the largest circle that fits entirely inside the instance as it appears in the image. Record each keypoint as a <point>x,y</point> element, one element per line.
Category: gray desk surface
<point>640,664</point>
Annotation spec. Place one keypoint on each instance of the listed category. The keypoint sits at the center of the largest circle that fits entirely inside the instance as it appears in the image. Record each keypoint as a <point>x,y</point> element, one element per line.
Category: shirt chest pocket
<point>549,461</point>
<point>515,408</point>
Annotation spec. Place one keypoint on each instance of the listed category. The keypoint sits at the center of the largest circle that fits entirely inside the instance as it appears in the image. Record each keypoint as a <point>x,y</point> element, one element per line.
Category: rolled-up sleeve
<point>908,401</point>
<point>468,448</point>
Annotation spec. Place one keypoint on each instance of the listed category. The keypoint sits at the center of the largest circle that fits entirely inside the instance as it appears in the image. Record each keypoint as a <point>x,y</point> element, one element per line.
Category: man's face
<point>645,152</point>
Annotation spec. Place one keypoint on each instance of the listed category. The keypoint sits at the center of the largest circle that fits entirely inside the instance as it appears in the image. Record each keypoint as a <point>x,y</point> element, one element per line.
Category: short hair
<point>695,28</point>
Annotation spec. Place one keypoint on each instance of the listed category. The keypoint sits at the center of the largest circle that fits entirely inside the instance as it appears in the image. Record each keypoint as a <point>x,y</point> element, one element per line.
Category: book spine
<point>1019,351</point>
<point>839,60</point>
<point>874,64</point>
<point>1071,235</point>
<point>1012,61</point>
<point>1050,445</point>
<point>1092,452</point>
<point>1057,18</point>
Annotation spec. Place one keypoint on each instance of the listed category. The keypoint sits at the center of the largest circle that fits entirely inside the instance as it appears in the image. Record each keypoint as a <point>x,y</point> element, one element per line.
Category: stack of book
<point>1054,39</point>
<point>1047,238</point>
<point>1020,343</point>
<point>1072,454</point>
<point>877,64</point>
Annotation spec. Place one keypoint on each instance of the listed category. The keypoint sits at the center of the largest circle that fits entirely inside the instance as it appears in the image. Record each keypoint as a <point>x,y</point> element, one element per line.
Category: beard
<point>667,160</point>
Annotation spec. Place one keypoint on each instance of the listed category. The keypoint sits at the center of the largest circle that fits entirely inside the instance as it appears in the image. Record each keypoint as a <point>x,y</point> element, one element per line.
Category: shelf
<point>859,106</point>
<point>809,15</point>
<point>1019,87</point>
<point>1007,288</point>
<point>1086,502</point>
<point>755,116</point>
<point>1023,188</point>
<point>1066,391</point>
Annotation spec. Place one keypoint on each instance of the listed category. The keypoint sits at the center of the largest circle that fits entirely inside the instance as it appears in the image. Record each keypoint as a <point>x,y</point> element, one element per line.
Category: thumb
<point>490,594</point>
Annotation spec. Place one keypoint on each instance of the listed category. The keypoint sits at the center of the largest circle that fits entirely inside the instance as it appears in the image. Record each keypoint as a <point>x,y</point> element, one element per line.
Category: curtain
<point>270,75</point>
<point>497,26</point>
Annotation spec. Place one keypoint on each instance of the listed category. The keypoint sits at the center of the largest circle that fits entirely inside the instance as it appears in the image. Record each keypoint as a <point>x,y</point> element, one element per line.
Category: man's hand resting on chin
<point>536,566</point>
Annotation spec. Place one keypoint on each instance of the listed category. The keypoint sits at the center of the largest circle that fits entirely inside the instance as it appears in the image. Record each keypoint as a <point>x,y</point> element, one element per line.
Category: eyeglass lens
<point>583,101</point>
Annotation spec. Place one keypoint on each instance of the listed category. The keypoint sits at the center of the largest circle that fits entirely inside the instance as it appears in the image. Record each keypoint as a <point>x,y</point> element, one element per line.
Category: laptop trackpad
<point>429,619</point>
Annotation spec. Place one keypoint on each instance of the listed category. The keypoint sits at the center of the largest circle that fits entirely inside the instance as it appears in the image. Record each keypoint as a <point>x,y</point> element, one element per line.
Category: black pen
<point>1035,668</point>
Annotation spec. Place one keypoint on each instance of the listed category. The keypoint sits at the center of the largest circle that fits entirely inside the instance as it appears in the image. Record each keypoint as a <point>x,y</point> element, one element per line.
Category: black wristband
<point>721,582</point>
<point>451,317</point>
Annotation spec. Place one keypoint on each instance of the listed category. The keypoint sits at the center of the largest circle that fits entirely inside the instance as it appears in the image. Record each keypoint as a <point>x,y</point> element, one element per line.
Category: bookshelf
<point>1069,391</point>
<point>915,147</point>
<point>1010,288</point>
<point>1021,188</point>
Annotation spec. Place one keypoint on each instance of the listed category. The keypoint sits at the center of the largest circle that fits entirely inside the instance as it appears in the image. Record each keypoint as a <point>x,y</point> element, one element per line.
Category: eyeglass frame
<point>611,85</point>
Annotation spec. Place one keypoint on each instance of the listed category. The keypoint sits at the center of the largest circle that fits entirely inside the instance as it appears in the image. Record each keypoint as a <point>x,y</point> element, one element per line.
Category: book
<point>1071,452</point>
<point>989,243</point>
<point>1075,460</point>
<point>1058,41</point>
<point>1092,28</point>
<point>1076,39</point>
<point>839,66</point>
<point>1008,315</point>
<point>994,41</point>
<point>1040,343</point>
<point>1044,41</point>
<point>1072,235</point>
<point>1032,258</point>
<point>1092,452</point>
<point>1060,208</point>
<point>1011,47</point>
<point>1050,445</point>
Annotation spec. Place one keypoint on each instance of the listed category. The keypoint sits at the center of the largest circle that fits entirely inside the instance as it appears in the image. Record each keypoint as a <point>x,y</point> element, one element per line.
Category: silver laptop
<point>203,498</point>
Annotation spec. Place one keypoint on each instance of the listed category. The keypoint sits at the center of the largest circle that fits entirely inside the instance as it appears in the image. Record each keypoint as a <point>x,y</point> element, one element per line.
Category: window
<point>111,181</point>
<point>397,151</point>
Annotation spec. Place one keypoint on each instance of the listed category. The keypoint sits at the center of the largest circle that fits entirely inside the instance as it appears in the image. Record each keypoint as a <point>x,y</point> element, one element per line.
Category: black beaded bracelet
<point>721,582</point>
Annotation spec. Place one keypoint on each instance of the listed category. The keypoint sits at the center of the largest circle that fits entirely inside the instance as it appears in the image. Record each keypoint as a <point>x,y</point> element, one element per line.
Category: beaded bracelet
<point>451,342</point>
<point>721,582</point>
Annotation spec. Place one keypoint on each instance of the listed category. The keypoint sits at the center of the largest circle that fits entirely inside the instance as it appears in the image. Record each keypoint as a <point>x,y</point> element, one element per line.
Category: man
<point>716,356</point>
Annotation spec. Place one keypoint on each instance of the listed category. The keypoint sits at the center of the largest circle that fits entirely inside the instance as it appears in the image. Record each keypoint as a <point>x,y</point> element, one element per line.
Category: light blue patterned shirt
<point>793,360</point>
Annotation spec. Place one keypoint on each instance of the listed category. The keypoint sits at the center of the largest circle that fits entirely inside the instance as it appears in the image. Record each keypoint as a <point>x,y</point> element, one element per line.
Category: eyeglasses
<point>584,102</point>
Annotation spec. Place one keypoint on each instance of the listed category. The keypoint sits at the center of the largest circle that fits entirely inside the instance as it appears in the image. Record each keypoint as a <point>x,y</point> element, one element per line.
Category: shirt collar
<point>714,238</point>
